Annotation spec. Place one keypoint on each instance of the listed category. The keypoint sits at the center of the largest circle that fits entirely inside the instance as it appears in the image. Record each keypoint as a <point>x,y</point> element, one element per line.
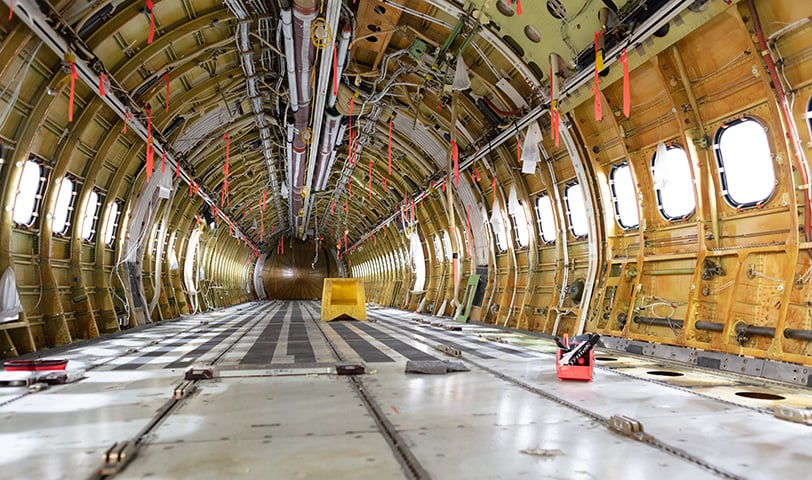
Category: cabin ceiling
<point>400,67</point>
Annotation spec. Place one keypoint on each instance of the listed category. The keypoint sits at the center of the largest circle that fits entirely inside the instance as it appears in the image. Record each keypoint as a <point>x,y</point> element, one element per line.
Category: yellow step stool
<point>342,299</point>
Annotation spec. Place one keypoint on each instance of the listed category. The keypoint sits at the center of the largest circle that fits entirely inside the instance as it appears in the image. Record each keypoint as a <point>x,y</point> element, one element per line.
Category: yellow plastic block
<point>343,298</point>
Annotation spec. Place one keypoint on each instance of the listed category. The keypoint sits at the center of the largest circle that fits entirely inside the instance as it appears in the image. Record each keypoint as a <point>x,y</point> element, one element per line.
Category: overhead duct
<point>246,52</point>
<point>333,128</point>
<point>328,143</point>
<point>329,24</point>
<point>290,59</point>
<point>304,53</point>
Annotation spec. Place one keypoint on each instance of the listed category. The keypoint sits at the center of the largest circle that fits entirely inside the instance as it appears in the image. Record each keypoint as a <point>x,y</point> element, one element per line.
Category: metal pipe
<point>797,334</point>
<point>326,60</point>
<point>328,142</point>
<point>670,271</point>
<point>748,330</point>
<point>659,322</point>
<point>710,326</point>
<point>290,60</point>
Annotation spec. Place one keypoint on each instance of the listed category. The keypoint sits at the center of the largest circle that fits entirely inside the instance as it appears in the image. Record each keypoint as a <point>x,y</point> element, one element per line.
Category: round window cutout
<point>532,33</point>
<point>504,8</point>
<point>556,9</point>
<point>665,373</point>
<point>380,10</point>
<point>606,359</point>
<point>760,395</point>
<point>374,28</point>
<point>372,39</point>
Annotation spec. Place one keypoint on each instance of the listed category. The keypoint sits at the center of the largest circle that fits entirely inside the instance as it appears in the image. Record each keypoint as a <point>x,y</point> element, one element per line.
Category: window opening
<point>576,210</point>
<point>91,217</point>
<point>744,163</point>
<point>29,194</point>
<point>419,262</point>
<point>64,206</point>
<point>673,184</point>
<point>623,196</point>
<point>546,218</point>
<point>112,222</point>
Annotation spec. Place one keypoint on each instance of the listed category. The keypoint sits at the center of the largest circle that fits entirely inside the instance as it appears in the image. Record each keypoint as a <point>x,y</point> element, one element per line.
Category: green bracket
<point>468,299</point>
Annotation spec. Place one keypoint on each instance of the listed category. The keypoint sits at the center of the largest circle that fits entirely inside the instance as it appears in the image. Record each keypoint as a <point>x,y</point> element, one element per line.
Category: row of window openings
<point>744,164</point>
<point>29,199</point>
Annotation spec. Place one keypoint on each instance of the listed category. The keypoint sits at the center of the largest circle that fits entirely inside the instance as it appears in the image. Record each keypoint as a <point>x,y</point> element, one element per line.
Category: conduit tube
<point>304,12</point>
<point>290,59</point>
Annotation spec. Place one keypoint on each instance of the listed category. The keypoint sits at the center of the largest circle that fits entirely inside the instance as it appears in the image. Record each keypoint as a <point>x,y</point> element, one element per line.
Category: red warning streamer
<point>151,22</point>
<point>73,78</point>
<point>10,9</point>
<point>627,100</point>
<point>150,166</point>
<point>455,156</point>
<point>163,161</point>
<point>518,149</point>
<point>102,81</point>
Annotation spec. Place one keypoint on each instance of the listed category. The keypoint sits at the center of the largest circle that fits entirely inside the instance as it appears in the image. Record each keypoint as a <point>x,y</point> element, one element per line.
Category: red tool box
<point>34,365</point>
<point>582,370</point>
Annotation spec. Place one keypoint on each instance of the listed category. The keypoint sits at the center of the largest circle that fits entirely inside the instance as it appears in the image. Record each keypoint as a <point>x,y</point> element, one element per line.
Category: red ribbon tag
<point>519,149</point>
<point>177,168</point>
<point>10,9</point>
<point>163,160</point>
<point>102,81</point>
<point>150,166</point>
<point>627,100</point>
<point>455,156</point>
<point>151,22</point>
<point>518,7</point>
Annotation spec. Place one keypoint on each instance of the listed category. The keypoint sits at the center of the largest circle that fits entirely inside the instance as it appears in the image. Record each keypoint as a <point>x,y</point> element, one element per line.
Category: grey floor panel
<point>266,428</point>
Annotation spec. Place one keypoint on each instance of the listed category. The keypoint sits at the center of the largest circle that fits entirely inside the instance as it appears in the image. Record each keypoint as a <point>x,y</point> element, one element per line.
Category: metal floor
<point>276,408</point>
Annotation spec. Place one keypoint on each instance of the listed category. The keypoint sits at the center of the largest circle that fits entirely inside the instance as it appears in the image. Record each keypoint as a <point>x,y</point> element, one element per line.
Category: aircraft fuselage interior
<point>406,239</point>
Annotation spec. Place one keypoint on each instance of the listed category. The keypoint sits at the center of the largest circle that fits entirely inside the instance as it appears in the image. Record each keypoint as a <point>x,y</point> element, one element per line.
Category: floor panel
<point>276,411</point>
